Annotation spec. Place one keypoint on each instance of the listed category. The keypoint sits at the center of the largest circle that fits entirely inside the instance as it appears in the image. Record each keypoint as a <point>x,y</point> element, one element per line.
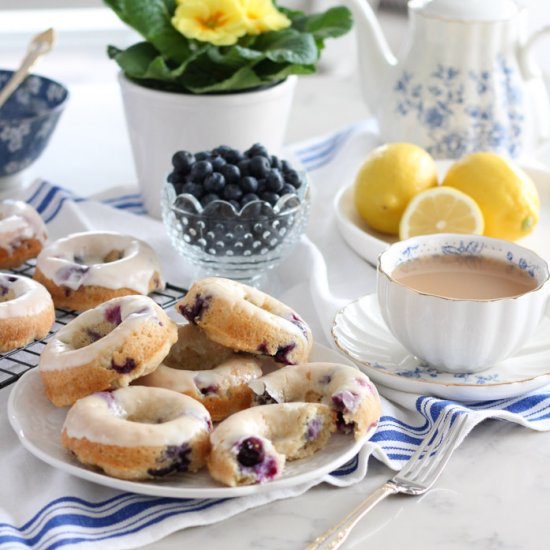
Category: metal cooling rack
<point>15,363</point>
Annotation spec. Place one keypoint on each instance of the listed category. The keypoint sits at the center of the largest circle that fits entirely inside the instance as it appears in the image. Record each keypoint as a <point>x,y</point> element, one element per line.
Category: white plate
<point>38,424</point>
<point>369,244</point>
<point>361,333</point>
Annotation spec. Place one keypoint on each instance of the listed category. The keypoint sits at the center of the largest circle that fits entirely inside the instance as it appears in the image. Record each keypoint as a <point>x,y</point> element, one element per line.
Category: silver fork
<point>416,477</point>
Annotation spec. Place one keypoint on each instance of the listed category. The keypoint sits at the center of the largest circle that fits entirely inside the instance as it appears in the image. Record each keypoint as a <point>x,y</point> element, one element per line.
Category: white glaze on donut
<point>22,297</point>
<point>137,416</point>
<point>232,372</point>
<point>132,314</point>
<point>347,390</point>
<point>79,260</point>
<point>19,222</point>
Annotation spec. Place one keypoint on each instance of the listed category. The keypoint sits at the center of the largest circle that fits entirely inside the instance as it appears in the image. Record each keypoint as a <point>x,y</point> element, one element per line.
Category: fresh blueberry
<point>236,204</point>
<point>200,170</point>
<point>231,173</point>
<point>244,167</point>
<point>286,167</point>
<point>287,188</point>
<point>274,181</point>
<point>262,186</point>
<point>276,162</point>
<point>232,192</point>
<point>214,183</point>
<point>194,189</point>
<point>208,198</point>
<point>270,197</point>
<point>221,150</point>
<point>257,150</point>
<point>293,178</point>
<point>179,177</point>
<point>182,161</point>
<point>233,156</point>
<point>203,155</point>
<point>249,197</point>
<point>249,184</point>
<point>259,166</point>
<point>217,162</point>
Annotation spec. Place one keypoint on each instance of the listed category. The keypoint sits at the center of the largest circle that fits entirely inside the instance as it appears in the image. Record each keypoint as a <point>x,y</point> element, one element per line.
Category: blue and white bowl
<point>27,120</point>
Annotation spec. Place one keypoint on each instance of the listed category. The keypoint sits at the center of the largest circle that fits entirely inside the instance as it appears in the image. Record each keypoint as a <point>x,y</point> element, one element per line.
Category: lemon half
<point>441,210</point>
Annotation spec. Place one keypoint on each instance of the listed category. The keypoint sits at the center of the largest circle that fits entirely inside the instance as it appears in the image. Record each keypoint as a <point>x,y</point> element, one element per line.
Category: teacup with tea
<point>461,302</point>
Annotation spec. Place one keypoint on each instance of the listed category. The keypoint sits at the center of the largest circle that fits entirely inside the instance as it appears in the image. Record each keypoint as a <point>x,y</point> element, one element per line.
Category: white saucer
<point>369,244</point>
<point>360,332</point>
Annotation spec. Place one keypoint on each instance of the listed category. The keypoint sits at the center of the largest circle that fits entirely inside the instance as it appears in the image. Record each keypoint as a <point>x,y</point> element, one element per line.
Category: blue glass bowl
<point>27,120</point>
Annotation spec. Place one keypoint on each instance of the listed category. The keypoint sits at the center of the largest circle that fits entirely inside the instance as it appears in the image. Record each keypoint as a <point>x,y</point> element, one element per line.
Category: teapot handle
<point>527,63</point>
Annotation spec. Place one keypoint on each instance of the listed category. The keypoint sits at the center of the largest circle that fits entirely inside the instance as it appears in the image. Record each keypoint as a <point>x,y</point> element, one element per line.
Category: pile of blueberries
<point>237,177</point>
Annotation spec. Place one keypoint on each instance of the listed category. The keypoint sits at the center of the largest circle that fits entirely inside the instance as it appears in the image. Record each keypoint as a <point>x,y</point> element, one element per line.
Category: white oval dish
<point>361,334</point>
<point>39,427</point>
<point>369,243</point>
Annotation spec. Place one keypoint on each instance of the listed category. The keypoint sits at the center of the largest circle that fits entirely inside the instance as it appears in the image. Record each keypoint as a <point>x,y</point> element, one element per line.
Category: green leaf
<point>333,23</point>
<point>288,46</point>
<point>135,60</point>
<point>243,79</point>
<point>234,56</point>
<point>152,19</point>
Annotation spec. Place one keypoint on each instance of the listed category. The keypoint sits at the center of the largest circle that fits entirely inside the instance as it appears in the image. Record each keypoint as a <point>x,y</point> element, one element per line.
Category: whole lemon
<point>506,195</point>
<point>388,179</point>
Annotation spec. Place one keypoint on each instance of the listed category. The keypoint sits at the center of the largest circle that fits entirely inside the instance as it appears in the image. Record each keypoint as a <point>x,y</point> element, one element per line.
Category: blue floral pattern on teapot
<point>435,101</point>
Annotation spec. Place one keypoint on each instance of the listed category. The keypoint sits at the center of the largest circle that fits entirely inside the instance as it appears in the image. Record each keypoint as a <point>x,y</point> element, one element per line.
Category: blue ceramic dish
<point>27,120</point>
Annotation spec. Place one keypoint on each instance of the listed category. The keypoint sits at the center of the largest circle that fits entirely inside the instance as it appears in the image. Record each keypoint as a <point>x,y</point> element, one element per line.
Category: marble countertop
<point>493,495</point>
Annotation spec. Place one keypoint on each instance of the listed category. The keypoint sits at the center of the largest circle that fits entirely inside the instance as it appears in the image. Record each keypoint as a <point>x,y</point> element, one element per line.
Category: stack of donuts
<point>145,391</point>
<point>228,385</point>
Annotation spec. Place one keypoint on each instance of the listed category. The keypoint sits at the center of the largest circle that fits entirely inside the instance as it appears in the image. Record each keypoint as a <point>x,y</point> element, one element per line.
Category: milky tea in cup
<point>461,303</point>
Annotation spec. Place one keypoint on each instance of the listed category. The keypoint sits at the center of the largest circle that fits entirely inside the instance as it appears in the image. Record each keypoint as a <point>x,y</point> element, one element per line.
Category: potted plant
<point>212,72</point>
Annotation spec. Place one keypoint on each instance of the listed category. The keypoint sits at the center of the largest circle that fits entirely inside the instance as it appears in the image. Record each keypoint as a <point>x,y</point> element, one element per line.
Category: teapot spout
<point>374,54</point>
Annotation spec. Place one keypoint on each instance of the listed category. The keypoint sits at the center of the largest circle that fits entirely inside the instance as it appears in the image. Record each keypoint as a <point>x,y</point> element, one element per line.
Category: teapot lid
<point>466,10</point>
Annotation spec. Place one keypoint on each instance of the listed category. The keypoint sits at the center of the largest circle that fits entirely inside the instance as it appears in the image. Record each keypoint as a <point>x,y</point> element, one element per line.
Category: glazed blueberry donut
<point>245,319</point>
<point>22,233</point>
<point>84,270</point>
<point>346,390</point>
<point>221,386</point>
<point>253,445</point>
<point>138,433</point>
<point>105,348</point>
<point>26,311</point>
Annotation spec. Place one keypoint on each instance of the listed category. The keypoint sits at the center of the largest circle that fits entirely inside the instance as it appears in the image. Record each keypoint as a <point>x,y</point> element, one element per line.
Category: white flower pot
<point>161,123</point>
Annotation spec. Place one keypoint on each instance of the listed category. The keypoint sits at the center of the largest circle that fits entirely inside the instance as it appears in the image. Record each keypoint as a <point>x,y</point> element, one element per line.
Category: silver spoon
<point>41,44</point>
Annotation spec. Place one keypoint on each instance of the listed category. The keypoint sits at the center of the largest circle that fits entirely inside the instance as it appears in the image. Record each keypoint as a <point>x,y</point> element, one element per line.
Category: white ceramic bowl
<point>456,335</point>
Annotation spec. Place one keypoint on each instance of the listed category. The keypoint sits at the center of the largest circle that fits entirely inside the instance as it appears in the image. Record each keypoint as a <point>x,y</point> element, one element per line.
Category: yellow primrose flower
<point>263,16</point>
<point>220,22</point>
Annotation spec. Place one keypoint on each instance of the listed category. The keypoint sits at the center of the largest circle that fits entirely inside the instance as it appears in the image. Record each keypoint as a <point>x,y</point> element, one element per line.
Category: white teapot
<point>467,81</point>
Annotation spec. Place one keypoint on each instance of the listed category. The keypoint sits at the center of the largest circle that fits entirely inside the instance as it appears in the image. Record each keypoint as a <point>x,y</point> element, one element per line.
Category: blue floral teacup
<point>461,303</point>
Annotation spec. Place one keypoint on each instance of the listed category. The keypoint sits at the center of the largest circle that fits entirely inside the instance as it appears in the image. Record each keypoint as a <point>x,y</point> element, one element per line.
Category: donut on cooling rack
<point>206,371</point>
<point>138,433</point>
<point>245,319</point>
<point>346,390</point>
<point>253,445</point>
<point>86,269</point>
<point>105,348</point>
<point>22,233</point>
<point>26,311</point>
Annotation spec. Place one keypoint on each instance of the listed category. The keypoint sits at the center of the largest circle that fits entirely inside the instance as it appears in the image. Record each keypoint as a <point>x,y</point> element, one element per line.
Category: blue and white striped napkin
<point>57,510</point>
